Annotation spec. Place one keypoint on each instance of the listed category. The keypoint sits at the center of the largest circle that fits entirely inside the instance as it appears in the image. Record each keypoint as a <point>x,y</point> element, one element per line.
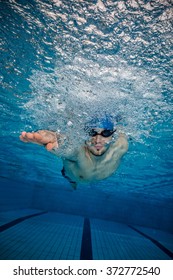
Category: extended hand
<point>42,137</point>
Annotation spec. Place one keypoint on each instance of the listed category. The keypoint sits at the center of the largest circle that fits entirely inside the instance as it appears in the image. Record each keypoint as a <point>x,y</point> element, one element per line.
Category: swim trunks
<point>73,183</point>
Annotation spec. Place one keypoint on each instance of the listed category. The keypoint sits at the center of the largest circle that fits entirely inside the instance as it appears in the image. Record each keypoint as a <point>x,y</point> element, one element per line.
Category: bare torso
<point>85,167</point>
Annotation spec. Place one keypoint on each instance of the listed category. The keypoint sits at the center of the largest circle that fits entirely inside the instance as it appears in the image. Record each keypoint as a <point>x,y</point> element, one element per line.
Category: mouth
<point>98,147</point>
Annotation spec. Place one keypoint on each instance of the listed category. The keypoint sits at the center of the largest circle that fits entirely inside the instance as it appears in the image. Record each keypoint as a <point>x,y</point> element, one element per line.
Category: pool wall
<point>93,203</point>
<point>125,209</point>
<point>15,195</point>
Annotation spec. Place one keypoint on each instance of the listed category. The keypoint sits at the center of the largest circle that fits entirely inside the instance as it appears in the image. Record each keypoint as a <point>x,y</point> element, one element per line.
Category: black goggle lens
<point>104,133</point>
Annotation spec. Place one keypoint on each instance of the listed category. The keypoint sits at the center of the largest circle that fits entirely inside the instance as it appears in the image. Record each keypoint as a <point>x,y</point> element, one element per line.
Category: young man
<point>97,159</point>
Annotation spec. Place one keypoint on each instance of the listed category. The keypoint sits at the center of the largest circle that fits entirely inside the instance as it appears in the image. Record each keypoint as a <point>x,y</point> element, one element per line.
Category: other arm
<point>121,144</point>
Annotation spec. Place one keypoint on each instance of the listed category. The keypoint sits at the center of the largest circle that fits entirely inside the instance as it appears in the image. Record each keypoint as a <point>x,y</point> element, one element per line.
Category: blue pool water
<point>63,61</point>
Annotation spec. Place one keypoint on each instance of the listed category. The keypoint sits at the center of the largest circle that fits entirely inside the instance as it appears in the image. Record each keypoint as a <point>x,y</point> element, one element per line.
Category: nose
<point>98,138</point>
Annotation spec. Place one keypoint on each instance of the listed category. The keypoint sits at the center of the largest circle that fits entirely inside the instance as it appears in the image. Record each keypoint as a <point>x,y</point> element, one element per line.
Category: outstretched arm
<point>50,140</point>
<point>47,138</point>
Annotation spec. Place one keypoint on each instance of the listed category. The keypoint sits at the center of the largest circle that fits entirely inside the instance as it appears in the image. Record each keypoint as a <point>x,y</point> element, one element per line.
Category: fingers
<point>30,137</point>
<point>23,137</point>
<point>46,138</point>
<point>51,146</point>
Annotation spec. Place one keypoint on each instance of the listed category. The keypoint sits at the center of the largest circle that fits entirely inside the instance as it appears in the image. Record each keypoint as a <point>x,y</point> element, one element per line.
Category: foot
<point>42,137</point>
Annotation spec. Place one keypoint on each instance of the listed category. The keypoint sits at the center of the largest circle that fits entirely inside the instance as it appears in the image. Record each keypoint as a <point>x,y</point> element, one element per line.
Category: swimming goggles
<point>104,133</point>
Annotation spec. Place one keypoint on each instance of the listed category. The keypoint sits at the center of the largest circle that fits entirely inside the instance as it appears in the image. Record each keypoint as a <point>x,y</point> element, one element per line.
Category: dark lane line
<point>86,247</point>
<point>19,220</point>
<point>155,242</point>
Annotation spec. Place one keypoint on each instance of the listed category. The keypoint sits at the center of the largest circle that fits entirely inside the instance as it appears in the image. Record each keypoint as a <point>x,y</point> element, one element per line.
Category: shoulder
<point>121,143</point>
<point>73,155</point>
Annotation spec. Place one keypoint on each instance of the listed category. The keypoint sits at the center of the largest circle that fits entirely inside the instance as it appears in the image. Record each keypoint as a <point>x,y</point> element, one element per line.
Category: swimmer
<point>97,159</point>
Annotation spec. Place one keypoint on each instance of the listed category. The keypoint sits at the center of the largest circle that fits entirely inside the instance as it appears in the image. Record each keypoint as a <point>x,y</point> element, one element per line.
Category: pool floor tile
<point>55,236</point>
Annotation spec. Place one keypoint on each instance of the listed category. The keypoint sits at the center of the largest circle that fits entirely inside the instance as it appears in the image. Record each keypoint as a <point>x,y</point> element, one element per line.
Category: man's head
<point>100,132</point>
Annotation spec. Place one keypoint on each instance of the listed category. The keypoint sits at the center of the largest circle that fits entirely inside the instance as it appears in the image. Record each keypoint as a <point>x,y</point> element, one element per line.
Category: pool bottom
<point>30,234</point>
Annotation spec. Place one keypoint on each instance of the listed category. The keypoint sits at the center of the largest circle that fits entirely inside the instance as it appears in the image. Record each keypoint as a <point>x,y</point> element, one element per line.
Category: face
<point>97,144</point>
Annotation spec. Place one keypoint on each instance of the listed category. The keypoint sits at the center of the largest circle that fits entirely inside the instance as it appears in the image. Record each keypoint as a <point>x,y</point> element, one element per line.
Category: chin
<point>98,152</point>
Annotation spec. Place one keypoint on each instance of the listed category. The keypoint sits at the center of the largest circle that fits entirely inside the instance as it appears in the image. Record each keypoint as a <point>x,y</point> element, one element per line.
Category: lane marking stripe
<point>86,246</point>
<point>19,220</point>
<point>155,242</point>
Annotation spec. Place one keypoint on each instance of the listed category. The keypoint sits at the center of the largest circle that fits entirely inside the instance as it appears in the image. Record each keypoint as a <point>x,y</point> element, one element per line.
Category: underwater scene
<point>66,65</point>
